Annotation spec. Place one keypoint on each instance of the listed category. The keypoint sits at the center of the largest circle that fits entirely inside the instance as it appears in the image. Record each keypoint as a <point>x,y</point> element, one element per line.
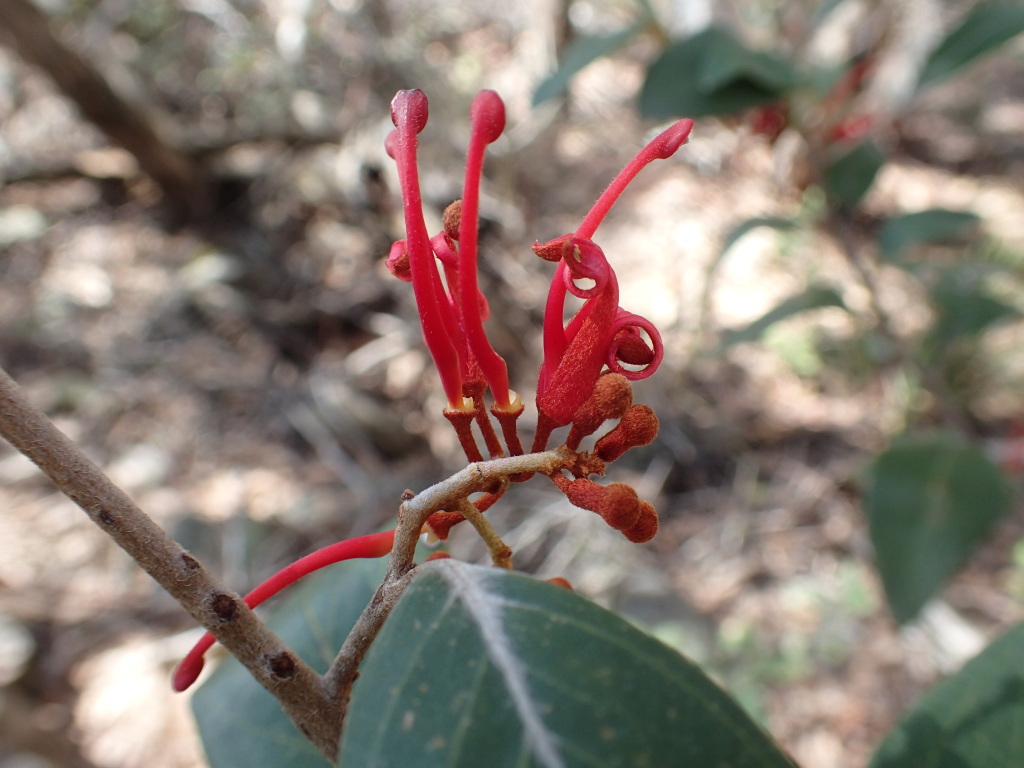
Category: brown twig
<point>448,494</point>
<point>315,704</point>
<point>275,666</point>
<point>124,123</point>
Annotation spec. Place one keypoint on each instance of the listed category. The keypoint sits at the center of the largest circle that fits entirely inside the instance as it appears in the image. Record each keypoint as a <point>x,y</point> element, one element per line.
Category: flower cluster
<point>588,361</point>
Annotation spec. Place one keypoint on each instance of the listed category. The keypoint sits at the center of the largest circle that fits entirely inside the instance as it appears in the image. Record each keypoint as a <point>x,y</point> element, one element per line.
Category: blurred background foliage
<point>835,261</point>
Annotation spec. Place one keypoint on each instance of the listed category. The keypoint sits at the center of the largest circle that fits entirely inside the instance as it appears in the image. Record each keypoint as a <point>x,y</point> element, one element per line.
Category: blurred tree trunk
<point>27,30</point>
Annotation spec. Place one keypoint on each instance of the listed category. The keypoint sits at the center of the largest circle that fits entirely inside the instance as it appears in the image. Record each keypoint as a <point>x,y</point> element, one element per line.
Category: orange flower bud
<point>583,493</point>
<point>639,426</point>
<point>558,581</point>
<point>646,526</point>
<point>610,399</point>
<point>620,506</point>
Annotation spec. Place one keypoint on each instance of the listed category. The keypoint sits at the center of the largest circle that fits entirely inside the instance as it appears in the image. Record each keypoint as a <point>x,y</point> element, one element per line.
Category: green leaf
<point>712,73</point>
<point>579,54</point>
<point>749,225</point>
<point>815,297</point>
<point>974,719</point>
<point>483,667</point>
<point>962,314</point>
<point>239,722</point>
<point>848,178</point>
<point>934,225</point>
<point>930,500</point>
<point>984,28</point>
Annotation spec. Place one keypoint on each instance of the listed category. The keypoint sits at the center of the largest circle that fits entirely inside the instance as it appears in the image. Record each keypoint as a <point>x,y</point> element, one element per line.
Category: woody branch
<point>315,704</point>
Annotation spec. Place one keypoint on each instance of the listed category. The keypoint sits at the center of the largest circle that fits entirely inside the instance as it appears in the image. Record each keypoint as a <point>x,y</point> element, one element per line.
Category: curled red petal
<point>585,260</point>
<point>625,336</point>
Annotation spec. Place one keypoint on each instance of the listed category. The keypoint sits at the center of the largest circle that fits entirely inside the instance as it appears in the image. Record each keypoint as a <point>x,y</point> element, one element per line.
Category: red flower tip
<point>671,139</point>
<point>661,147</point>
<point>398,261</point>
<point>487,115</point>
<point>438,556</point>
<point>558,581</point>
<point>639,426</point>
<point>188,669</point>
<point>646,525</point>
<point>373,545</point>
<point>409,110</point>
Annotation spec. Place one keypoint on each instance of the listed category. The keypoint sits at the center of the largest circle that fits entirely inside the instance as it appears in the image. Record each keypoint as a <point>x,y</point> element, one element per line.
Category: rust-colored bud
<point>638,426</point>
<point>611,398</point>
<point>646,525</point>
<point>620,506</point>
<point>438,556</point>
<point>552,250</point>
<point>558,581</point>
<point>584,493</point>
<point>631,349</point>
<point>398,261</point>
<point>451,219</point>
<point>441,523</point>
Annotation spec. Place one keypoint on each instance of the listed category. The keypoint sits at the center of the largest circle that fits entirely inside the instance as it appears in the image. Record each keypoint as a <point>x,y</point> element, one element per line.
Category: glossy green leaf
<point>482,667</point>
<point>974,719</point>
<point>849,178</point>
<point>985,27</point>
<point>934,225</point>
<point>239,722</point>
<point>581,52</point>
<point>815,297</point>
<point>712,73</point>
<point>930,500</point>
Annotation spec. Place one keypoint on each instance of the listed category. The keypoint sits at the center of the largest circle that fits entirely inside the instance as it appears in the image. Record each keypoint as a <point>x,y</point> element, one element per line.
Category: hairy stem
<point>448,494</point>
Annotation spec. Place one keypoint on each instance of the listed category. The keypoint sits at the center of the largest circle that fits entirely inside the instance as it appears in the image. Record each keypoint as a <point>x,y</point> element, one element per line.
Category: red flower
<point>571,388</point>
<point>601,333</point>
